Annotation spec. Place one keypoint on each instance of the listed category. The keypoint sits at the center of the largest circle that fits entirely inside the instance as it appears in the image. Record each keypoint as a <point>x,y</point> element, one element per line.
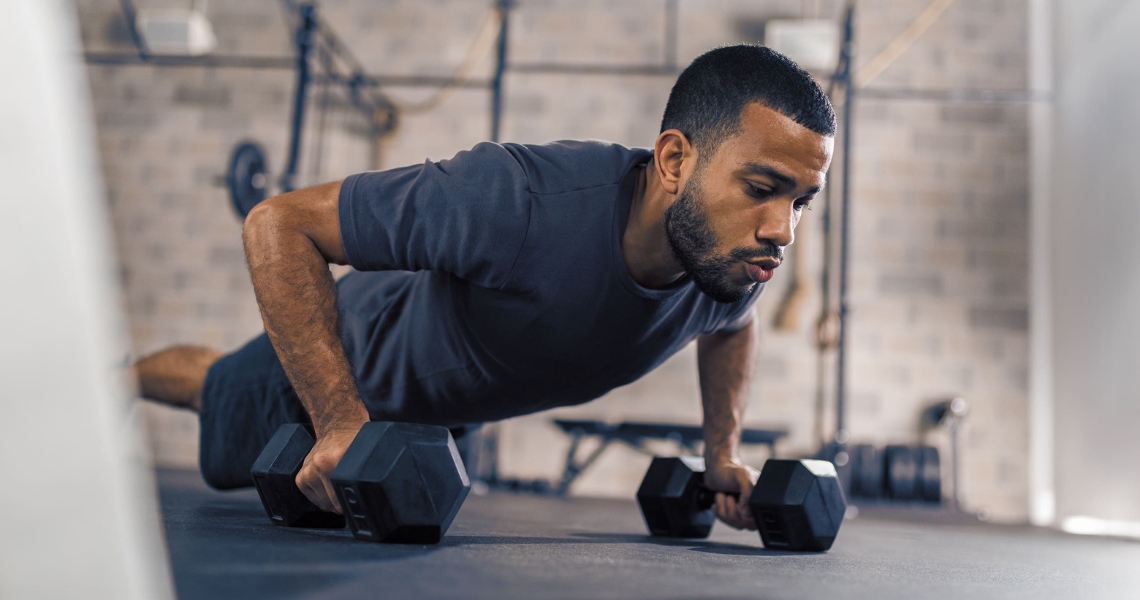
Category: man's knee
<point>222,468</point>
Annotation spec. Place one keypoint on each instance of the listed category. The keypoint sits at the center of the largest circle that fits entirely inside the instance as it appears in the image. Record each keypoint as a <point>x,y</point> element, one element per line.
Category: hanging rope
<point>483,43</point>
<point>879,63</point>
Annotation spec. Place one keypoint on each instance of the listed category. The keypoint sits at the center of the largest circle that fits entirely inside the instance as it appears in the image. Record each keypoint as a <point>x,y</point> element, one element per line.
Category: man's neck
<point>644,244</point>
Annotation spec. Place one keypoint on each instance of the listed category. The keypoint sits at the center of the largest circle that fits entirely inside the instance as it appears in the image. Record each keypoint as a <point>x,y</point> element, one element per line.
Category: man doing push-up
<point>514,278</point>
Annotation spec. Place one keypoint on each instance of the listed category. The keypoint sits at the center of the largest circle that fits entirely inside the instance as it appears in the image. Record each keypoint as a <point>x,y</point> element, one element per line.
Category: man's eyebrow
<point>781,179</point>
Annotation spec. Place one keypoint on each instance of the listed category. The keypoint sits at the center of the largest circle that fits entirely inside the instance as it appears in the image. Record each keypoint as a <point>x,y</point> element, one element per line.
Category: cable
<point>357,77</point>
<point>483,43</point>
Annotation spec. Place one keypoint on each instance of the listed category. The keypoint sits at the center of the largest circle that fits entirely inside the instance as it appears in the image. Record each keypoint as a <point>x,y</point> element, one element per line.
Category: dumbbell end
<point>401,483</point>
<point>274,475</point>
<point>798,505</point>
<point>673,499</point>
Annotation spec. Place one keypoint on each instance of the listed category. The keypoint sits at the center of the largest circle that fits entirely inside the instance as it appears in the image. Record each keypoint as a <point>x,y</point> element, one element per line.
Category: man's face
<point>738,211</point>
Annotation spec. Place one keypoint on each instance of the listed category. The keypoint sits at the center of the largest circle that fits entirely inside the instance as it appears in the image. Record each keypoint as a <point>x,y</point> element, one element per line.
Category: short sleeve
<point>467,216</point>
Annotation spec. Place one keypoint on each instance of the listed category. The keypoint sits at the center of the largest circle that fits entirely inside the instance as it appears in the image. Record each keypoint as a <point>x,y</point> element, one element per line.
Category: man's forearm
<point>297,298</point>
<point>724,361</point>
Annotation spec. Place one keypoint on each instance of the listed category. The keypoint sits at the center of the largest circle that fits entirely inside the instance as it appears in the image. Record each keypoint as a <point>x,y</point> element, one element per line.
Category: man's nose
<point>778,227</point>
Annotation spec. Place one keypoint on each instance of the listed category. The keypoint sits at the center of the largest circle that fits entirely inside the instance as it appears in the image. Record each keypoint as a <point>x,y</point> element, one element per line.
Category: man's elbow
<point>264,226</point>
<point>307,217</point>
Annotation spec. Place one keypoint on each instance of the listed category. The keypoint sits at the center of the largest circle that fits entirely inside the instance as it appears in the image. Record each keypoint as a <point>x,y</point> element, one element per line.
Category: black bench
<point>635,434</point>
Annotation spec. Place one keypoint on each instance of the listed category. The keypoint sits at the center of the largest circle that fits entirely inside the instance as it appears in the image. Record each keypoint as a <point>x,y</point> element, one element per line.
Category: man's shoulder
<point>574,165</point>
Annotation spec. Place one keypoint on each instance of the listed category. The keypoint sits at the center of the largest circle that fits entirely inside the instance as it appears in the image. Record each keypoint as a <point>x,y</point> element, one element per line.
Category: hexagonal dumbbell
<point>275,477</point>
<point>798,504</point>
<point>401,482</point>
<point>397,482</point>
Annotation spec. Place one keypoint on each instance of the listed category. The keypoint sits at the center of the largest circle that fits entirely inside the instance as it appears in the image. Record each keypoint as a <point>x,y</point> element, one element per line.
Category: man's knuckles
<point>325,462</point>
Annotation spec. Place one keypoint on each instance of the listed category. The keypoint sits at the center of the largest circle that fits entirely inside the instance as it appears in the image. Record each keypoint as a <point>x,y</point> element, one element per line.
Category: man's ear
<point>671,155</point>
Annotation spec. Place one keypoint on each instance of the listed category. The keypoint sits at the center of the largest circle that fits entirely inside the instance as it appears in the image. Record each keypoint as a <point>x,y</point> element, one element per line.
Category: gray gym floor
<point>518,546</point>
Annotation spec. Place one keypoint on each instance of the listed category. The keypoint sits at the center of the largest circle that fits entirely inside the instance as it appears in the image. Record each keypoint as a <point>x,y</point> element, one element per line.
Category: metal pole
<point>845,201</point>
<point>131,16</point>
<point>306,26</point>
<point>500,69</point>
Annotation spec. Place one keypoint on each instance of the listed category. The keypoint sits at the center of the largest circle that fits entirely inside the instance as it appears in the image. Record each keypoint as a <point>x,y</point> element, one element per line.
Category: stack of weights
<point>899,473</point>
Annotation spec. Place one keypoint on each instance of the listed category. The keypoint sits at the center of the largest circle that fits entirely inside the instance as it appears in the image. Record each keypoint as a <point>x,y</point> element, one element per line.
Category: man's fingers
<point>314,497</point>
<point>746,519</point>
<point>722,509</point>
<point>316,473</point>
<point>733,483</point>
<point>334,502</point>
<point>746,480</point>
<point>726,510</point>
<point>749,519</point>
<point>744,515</point>
<point>310,484</point>
<point>734,512</point>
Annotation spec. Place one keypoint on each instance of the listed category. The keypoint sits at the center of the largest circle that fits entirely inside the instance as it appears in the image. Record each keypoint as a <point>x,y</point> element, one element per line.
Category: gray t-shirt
<point>492,284</point>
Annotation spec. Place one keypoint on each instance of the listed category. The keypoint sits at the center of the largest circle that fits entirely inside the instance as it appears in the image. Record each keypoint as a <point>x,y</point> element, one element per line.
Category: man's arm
<point>289,242</point>
<point>725,361</point>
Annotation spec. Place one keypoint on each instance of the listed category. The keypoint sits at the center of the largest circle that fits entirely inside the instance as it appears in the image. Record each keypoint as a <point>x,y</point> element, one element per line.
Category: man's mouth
<point>761,271</point>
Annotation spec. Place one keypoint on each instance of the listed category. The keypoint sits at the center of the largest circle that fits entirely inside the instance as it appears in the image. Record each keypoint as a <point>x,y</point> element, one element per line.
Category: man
<point>514,278</point>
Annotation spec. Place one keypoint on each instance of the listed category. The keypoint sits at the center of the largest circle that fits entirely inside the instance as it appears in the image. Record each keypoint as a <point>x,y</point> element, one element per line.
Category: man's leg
<point>174,376</point>
<point>241,399</point>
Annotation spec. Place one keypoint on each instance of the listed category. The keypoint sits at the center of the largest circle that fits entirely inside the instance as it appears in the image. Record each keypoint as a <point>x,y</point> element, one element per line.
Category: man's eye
<point>802,205</point>
<point>760,192</point>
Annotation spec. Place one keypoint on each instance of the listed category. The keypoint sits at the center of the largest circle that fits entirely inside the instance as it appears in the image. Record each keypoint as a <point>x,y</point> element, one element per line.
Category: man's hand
<point>314,479</point>
<point>732,477</point>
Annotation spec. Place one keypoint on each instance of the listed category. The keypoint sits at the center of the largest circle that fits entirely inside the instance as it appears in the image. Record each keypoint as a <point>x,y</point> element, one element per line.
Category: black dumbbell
<point>401,482</point>
<point>397,482</point>
<point>275,476</point>
<point>798,504</point>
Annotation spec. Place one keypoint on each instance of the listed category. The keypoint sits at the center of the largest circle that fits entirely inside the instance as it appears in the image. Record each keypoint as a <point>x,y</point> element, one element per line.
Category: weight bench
<point>635,434</point>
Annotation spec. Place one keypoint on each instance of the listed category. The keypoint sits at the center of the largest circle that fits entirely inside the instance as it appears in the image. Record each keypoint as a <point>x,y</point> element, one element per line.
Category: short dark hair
<point>709,96</point>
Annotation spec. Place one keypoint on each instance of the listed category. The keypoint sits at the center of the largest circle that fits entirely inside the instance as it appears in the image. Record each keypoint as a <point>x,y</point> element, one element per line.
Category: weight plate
<point>866,471</point>
<point>901,472</point>
<point>246,177</point>
<point>929,475</point>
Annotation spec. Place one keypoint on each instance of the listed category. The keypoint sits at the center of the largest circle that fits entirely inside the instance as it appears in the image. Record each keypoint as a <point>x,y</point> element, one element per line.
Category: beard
<point>693,242</point>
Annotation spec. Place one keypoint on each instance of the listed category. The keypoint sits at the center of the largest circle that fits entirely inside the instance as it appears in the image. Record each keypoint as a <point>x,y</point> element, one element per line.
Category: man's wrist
<point>720,456</point>
<point>351,417</point>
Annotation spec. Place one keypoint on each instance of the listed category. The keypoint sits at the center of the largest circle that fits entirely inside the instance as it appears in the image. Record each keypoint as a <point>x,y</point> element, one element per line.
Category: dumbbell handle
<point>707,497</point>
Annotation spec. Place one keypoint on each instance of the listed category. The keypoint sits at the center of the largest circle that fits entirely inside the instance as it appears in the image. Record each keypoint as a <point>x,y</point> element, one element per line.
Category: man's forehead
<point>769,140</point>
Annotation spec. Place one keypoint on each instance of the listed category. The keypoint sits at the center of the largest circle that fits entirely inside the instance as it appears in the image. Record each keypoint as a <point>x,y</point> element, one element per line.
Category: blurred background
<point>991,193</point>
